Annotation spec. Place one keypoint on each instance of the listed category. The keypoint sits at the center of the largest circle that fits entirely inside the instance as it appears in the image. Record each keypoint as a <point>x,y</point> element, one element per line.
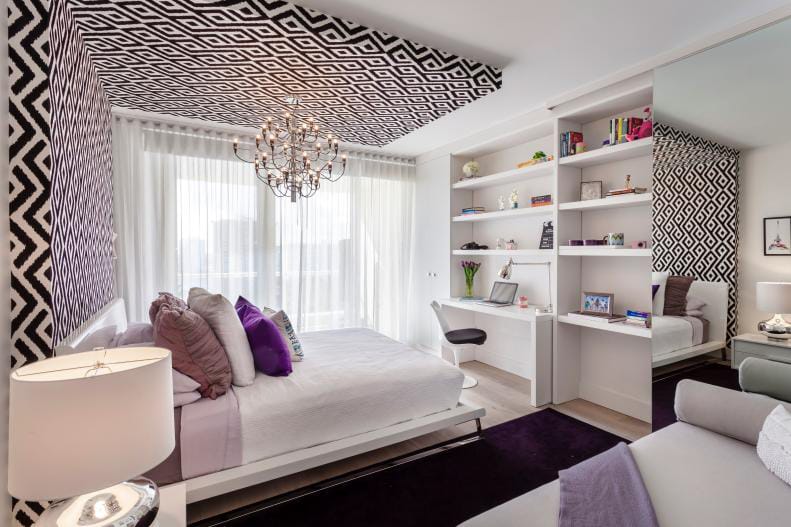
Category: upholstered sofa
<point>702,470</point>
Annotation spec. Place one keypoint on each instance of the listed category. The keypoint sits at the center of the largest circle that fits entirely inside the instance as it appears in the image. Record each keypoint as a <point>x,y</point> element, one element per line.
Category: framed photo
<point>590,190</point>
<point>777,236</point>
<point>597,303</point>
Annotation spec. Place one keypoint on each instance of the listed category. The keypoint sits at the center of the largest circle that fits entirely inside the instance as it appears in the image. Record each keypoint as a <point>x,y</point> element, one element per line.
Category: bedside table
<point>759,346</point>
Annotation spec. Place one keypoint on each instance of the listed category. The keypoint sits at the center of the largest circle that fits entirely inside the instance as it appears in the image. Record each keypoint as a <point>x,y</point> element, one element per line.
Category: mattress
<point>670,333</point>
<point>352,381</point>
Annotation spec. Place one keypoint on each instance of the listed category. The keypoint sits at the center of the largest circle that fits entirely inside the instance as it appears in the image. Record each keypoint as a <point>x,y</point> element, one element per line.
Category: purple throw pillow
<point>654,289</point>
<point>270,351</point>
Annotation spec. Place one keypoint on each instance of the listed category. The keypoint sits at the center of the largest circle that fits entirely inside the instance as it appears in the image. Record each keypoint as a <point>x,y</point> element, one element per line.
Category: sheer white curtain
<point>189,214</point>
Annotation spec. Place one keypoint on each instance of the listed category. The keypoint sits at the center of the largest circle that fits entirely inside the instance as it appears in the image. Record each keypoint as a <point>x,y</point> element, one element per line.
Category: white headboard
<point>715,294</point>
<point>113,314</point>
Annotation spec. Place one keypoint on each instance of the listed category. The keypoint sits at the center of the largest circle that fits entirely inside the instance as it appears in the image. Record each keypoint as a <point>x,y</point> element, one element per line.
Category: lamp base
<point>777,328</point>
<point>134,503</point>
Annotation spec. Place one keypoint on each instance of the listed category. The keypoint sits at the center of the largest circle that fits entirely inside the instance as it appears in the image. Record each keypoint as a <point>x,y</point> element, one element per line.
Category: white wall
<point>765,183</point>
<point>5,291</point>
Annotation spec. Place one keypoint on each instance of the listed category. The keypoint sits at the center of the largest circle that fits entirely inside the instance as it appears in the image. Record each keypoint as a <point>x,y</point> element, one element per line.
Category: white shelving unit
<point>568,250</point>
<point>614,327</point>
<point>545,254</point>
<point>545,210</point>
<point>614,202</point>
<point>610,154</point>
<point>509,176</point>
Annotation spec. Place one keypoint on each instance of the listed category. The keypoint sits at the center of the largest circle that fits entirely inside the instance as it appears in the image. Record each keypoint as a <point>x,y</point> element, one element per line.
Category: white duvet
<point>351,381</point>
<point>670,334</point>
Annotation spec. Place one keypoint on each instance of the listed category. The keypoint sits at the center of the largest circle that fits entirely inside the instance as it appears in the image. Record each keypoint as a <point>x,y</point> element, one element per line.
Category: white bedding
<point>352,381</point>
<point>670,333</point>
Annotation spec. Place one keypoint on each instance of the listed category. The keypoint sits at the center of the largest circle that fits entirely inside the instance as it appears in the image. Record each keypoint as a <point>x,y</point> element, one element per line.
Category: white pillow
<point>183,399</point>
<point>694,303</point>
<point>774,443</point>
<point>660,279</point>
<point>223,320</point>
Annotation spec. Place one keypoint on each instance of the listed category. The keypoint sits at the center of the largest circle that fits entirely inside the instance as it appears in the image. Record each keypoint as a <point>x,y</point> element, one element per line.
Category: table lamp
<point>774,297</point>
<point>83,427</point>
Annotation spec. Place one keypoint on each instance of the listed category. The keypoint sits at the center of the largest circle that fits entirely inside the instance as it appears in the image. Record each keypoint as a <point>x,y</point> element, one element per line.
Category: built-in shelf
<point>545,210</point>
<point>513,311</point>
<point>614,327</point>
<point>609,154</point>
<point>592,250</point>
<point>502,178</point>
<point>540,253</point>
<point>613,202</point>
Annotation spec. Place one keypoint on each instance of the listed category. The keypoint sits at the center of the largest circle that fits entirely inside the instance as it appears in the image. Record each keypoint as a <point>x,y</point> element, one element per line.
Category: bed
<point>677,338</point>
<point>356,391</point>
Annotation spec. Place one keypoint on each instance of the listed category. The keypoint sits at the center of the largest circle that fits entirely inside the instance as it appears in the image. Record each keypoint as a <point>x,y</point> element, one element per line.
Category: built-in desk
<point>533,343</point>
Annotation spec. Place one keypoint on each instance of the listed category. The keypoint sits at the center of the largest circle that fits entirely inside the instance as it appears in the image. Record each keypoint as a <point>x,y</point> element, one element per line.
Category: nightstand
<point>172,506</point>
<point>754,345</point>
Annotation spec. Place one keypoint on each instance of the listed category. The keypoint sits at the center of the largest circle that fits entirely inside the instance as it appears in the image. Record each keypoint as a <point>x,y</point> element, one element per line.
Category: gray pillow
<point>221,316</point>
<point>136,333</point>
<point>694,304</point>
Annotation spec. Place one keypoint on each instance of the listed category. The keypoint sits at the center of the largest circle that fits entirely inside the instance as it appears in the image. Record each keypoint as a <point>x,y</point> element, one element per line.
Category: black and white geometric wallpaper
<point>233,62</point>
<point>82,180</point>
<point>696,209</point>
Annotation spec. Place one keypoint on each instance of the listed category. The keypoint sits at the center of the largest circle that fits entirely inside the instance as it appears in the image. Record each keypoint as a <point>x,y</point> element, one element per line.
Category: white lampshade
<point>773,297</point>
<point>74,428</point>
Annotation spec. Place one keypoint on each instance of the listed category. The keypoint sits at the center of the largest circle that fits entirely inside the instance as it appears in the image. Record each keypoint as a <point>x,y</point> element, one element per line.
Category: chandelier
<point>292,157</point>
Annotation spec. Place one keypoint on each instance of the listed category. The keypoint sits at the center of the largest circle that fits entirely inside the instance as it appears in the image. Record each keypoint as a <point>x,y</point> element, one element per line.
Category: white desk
<point>535,350</point>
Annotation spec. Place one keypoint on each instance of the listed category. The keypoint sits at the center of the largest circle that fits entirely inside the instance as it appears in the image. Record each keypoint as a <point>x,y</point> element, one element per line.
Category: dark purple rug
<point>663,391</point>
<point>446,488</point>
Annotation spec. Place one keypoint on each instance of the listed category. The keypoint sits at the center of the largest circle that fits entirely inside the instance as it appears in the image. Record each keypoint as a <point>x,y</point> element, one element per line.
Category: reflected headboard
<point>113,314</point>
<point>715,294</point>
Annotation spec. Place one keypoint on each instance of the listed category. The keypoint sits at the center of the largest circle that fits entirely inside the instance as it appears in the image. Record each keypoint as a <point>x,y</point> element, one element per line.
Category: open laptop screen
<point>503,292</point>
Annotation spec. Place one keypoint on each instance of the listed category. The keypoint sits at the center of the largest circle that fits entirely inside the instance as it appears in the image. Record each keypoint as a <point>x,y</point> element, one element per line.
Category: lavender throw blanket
<point>605,491</point>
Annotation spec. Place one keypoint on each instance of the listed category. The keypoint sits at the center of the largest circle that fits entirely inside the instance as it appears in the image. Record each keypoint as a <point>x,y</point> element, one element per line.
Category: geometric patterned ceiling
<point>234,62</point>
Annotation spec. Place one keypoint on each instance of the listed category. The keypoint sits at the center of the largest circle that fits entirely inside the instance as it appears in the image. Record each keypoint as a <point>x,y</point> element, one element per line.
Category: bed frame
<point>229,480</point>
<point>715,294</point>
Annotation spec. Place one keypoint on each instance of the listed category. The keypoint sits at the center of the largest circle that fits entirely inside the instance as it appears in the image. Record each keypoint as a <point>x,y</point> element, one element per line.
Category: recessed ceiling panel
<point>235,62</point>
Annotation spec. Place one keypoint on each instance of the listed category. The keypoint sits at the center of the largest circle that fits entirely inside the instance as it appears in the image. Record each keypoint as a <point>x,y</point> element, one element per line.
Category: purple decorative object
<point>575,243</point>
<point>594,242</point>
<point>270,351</point>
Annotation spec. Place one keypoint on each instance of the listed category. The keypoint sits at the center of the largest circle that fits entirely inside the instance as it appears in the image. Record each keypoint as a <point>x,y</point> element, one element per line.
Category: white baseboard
<point>620,402</point>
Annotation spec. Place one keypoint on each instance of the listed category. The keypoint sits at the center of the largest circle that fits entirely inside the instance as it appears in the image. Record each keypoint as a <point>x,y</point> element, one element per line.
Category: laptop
<point>503,294</point>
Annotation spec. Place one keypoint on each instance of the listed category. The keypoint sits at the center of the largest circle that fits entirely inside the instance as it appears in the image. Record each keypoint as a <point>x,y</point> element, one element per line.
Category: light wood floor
<point>505,396</point>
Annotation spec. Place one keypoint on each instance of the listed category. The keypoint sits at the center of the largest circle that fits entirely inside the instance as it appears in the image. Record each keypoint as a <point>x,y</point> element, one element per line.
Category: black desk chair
<point>457,339</point>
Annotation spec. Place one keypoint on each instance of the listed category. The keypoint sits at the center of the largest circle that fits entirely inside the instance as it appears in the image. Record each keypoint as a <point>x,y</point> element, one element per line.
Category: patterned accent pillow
<point>287,330</point>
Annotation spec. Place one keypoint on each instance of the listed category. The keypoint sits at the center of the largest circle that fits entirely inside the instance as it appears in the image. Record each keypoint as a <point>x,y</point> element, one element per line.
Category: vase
<point>468,282</point>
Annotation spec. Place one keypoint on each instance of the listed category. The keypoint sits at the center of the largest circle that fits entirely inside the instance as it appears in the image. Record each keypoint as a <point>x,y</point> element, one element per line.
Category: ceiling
<point>545,48</point>
<point>235,62</point>
<point>735,94</point>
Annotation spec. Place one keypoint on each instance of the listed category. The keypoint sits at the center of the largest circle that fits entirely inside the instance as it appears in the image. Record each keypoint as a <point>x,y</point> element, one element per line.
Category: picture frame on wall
<point>777,236</point>
<point>590,190</point>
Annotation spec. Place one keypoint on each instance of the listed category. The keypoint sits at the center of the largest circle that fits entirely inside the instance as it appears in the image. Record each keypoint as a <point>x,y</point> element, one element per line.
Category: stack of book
<point>621,126</point>
<point>639,318</point>
<point>568,143</point>
<point>623,191</point>
<point>473,210</point>
<point>604,319</point>
<point>541,201</point>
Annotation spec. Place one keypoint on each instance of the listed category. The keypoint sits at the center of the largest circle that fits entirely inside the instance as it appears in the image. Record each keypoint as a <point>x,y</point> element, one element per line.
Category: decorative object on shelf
<point>777,236</point>
<point>644,130</point>
<point>500,244</point>
<point>470,268</point>
<point>579,148</point>
<point>597,303</point>
<point>501,202</point>
<point>613,238</point>
<point>523,302</point>
<point>510,245</point>
<point>471,169</point>
<point>774,297</point>
<point>538,157</point>
<point>111,420</point>
<point>638,244</point>
<point>628,188</point>
<point>472,210</point>
<point>506,270</point>
<point>575,243</point>
<point>547,236</point>
<point>472,246</point>
<point>568,142</point>
<point>638,318</point>
<point>291,159</point>
<point>590,190</point>
<point>514,199</point>
<point>593,242</point>
<point>541,201</point>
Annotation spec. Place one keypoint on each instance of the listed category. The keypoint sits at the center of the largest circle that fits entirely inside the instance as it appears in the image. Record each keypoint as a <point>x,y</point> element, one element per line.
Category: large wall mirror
<point>722,210</point>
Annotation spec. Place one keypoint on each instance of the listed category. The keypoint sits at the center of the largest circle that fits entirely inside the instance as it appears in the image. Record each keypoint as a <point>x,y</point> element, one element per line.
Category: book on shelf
<point>620,127</point>
<point>568,143</point>
<point>625,191</point>
<point>639,318</point>
<point>603,319</point>
<point>473,210</point>
<point>539,201</point>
